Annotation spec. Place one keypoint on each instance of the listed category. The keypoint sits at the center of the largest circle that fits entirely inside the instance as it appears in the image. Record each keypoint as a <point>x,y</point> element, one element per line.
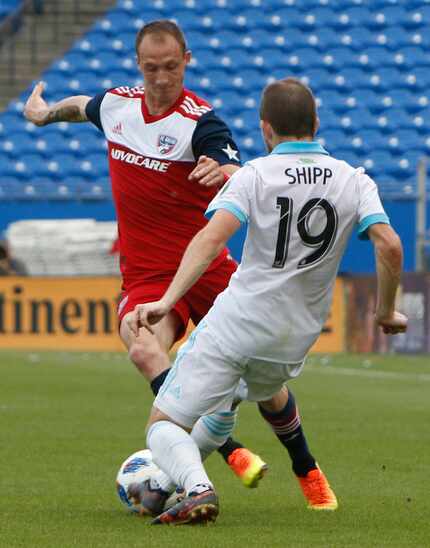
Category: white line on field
<point>329,369</point>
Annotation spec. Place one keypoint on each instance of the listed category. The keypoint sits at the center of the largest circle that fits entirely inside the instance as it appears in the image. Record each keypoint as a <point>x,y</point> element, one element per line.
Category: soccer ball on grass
<point>137,468</point>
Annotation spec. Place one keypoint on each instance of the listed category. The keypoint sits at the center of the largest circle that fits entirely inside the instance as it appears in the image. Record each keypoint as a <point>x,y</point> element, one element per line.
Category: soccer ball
<point>139,467</point>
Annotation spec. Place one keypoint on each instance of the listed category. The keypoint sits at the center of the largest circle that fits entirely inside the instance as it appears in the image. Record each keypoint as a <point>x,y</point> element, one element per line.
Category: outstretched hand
<point>146,315</point>
<point>207,172</point>
<point>393,324</point>
<point>36,108</point>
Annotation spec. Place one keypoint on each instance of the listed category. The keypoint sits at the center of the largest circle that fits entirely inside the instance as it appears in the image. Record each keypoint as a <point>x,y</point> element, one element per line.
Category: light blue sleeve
<point>234,196</point>
<point>229,206</point>
<point>369,221</point>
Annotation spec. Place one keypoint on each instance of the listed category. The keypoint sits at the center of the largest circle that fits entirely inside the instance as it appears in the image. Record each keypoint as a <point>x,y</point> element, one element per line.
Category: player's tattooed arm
<point>65,113</point>
<point>71,109</point>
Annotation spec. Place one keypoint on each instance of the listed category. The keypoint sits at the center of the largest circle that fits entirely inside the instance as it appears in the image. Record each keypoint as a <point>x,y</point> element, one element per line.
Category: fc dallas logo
<point>166,144</point>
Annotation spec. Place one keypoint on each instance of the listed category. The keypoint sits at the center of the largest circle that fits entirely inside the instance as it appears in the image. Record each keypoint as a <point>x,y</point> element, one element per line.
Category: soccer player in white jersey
<point>301,206</point>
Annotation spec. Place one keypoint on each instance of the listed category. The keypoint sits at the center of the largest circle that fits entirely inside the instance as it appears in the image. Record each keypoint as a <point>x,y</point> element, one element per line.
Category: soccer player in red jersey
<point>169,154</point>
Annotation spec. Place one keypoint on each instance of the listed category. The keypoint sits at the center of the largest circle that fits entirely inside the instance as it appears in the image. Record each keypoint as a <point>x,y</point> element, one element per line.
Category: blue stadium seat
<point>241,59</point>
<point>348,155</point>
<point>255,40</point>
<point>96,190</point>
<point>394,15</point>
<point>357,78</point>
<point>326,38</point>
<point>420,38</point>
<point>379,161</point>
<point>397,37</point>
<point>250,120</point>
<point>415,57</point>
<point>374,139</point>
<point>358,16</point>
<point>207,59</point>
<point>320,79</point>
<point>404,167</point>
<point>18,144</point>
<point>10,188</point>
<point>325,13</point>
<point>376,101</point>
<point>416,4</point>
<point>130,8</point>
<point>292,38</point>
<point>231,102</point>
<point>37,189</point>
<point>208,22</point>
<point>285,17</point>
<point>8,169</point>
<point>254,79</point>
<point>357,119</point>
<point>330,99</point>
<point>329,120</point>
<point>393,98</point>
<point>63,190</point>
<point>416,19</point>
<point>115,22</point>
<point>394,119</point>
<point>417,103</point>
<point>333,139</point>
<point>270,59</point>
<point>409,139</point>
<point>357,38</point>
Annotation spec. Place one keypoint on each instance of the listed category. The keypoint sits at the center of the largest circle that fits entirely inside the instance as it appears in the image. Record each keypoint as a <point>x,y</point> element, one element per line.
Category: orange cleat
<point>247,466</point>
<point>317,491</point>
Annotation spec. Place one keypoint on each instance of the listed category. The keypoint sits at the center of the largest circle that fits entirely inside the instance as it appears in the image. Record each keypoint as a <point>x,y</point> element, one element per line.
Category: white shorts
<point>204,379</point>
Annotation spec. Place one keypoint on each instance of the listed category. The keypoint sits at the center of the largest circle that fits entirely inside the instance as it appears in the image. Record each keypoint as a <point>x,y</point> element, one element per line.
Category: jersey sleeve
<point>234,195</point>
<point>370,209</point>
<point>92,110</point>
<point>213,138</point>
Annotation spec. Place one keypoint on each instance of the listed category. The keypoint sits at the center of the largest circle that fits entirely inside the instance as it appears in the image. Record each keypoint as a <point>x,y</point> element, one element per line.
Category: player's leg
<point>245,464</point>
<point>176,453</point>
<point>208,433</point>
<point>278,407</point>
<point>199,368</point>
<point>282,414</point>
<point>149,352</point>
<point>151,495</point>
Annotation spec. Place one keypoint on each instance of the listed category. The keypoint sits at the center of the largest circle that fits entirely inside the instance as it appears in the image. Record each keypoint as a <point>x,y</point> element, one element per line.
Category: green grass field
<point>67,420</point>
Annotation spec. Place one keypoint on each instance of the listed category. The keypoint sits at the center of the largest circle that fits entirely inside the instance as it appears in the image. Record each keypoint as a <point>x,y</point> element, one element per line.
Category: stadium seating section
<point>367,61</point>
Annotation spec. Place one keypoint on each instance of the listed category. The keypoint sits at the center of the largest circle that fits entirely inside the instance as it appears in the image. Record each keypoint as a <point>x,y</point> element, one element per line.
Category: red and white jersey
<point>150,157</point>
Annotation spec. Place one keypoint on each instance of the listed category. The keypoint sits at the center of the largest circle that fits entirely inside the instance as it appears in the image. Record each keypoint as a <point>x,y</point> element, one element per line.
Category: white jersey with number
<point>301,206</point>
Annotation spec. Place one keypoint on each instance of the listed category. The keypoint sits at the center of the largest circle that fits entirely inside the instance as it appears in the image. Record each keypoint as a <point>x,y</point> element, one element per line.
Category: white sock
<point>209,433</point>
<point>163,481</point>
<point>176,453</point>
<point>212,431</point>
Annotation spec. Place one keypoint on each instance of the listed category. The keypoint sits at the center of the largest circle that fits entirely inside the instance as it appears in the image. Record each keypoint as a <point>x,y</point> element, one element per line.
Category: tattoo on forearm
<point>70,113</point>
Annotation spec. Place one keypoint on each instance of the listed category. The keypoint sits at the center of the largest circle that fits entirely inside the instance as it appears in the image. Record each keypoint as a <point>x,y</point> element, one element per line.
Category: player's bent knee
<point>144,356</point>
<point>277,402</point>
